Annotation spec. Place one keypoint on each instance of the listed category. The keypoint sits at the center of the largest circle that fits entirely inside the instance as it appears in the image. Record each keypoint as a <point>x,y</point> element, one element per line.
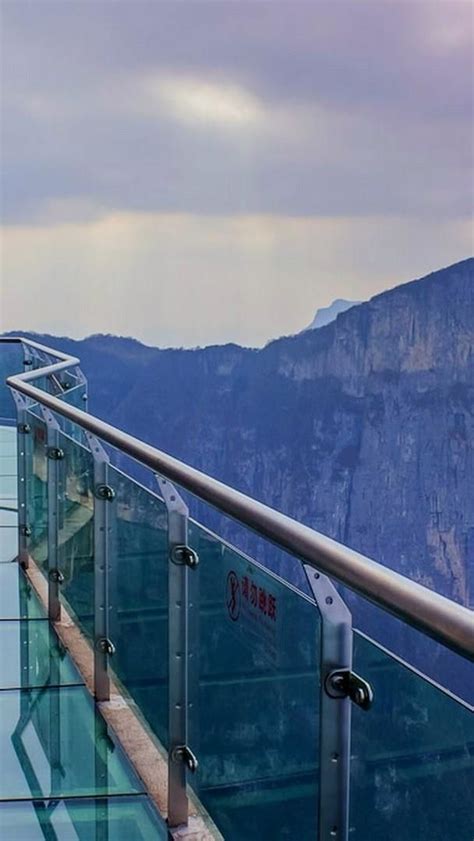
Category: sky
<point>191,173</point>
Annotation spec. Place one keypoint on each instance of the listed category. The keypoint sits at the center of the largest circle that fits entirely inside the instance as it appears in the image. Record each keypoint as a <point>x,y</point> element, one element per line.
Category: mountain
<point>362,429</point>
<point>327,314</point>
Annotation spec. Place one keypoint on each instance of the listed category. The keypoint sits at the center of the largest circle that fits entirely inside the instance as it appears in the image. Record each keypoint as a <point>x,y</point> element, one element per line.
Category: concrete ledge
<point>143,749</point>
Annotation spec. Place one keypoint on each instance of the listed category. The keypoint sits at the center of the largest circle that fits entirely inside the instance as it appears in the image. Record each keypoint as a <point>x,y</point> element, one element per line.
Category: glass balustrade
<point>139,626</point>
<point>412,770</point>
<point>254,696</point>
<point>252,677</point>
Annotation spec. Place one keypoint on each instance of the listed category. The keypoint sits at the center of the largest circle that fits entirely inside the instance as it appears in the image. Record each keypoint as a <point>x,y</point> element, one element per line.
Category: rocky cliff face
<point>362,429</point>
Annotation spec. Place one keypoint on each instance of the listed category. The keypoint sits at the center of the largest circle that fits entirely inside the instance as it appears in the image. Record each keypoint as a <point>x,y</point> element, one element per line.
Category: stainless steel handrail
<point>433,614</point>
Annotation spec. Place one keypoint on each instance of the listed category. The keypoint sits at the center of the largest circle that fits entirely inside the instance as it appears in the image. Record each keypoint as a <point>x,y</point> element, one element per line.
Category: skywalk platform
<point>63,775</point>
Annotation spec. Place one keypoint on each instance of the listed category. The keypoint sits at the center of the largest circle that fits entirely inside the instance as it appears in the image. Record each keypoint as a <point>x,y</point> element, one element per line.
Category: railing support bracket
<point>105,568</point>
<point>182,642</point>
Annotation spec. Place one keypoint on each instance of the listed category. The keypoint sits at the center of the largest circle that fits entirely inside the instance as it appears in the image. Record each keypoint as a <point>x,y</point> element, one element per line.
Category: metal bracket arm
<point>181,753</point>
<point>184,555</point>
<point>342,683</point>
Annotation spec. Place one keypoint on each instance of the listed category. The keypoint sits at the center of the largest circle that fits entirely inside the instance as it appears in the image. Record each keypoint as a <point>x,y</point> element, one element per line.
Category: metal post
<point>82,380</point>
<point>55,456</point>
<point>27,357</point>
<point>335,721</point>
<point>182,614</point>
<point>339,687</point>
<point>105,579</point>
<point>23,430</point>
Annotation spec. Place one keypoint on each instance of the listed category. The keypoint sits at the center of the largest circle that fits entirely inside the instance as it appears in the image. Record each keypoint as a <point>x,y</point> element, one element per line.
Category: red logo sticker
<point>233,596</point>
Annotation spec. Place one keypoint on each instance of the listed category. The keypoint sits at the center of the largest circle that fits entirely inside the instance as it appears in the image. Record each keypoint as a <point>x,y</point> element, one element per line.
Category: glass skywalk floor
<point>62,774</point>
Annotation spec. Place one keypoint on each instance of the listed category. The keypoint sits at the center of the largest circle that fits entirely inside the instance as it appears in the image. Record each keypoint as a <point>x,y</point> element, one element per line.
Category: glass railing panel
<point>76,396</point>
<point>34,408</point>
<point>140,633</point>
<point>11,362</point>
<point>69,387</point>
<point>35,443</point>
<point>412,769</point>
<point>8,494</point>
<point>254,715</point>
<point>76,530</point>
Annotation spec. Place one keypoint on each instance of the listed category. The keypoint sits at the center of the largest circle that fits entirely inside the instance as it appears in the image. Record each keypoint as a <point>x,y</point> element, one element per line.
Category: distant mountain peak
<point>327,314</point>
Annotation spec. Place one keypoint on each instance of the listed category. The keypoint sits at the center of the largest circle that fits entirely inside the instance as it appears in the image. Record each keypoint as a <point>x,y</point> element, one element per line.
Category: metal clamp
<point>183,754</point>
<point>24,428</point>
<point>181,554</point>
<point>104,492</point>
<point>105,646</point>
<point>342,683</point>
<point>56,576</point>
<point>55,453</point>
<point>25,531</point>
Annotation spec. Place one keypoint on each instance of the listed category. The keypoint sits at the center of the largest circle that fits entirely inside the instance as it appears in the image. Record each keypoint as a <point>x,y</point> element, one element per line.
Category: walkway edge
<point>142,748</point>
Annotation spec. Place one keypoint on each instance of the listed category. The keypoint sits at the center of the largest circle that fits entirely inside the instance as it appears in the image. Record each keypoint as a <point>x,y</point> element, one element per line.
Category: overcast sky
<point>191,173</point>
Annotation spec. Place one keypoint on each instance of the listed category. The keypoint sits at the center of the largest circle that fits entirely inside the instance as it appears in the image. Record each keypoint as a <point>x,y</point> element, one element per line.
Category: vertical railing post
<point>27,357</point>
<point>182,614</point>
<point>55,456</point>
<point>335,721</point>
<point>82,380</point>
<point>23,431</point>
<point>105,583</point>
<point>339,688</point>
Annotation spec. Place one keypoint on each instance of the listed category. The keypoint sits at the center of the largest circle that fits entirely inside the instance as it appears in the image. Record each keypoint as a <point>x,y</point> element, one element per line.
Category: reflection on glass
<point>37,489</point>
<point>141,579</point>
<point>107,819</point>
<point>55,744</point>
<point>412,770</point>
<point>33,656</point>
<point>17,597</point>
<point>76,532</point>
<point>255,701</point>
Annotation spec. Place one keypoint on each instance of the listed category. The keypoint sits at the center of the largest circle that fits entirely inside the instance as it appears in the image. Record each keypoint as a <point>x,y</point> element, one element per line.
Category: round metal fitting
<point>55,453</point>
<point>56,576</point>
<point>182,753</point>
<point>104,492</point>
<point>106,646</point>
<point>184,556</point>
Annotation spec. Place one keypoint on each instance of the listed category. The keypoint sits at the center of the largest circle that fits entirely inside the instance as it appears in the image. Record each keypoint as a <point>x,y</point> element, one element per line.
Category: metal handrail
<point>433,614</point>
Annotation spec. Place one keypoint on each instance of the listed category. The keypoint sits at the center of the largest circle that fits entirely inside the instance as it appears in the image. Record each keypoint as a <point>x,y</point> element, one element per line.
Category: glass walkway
<point>277,718</point>
<point>62,773</point>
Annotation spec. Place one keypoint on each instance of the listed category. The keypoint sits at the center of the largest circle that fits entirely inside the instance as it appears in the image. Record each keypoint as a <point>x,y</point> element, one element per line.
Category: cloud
<point>221,108</point>
<point>249,160</point>
<point>197,101</point>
